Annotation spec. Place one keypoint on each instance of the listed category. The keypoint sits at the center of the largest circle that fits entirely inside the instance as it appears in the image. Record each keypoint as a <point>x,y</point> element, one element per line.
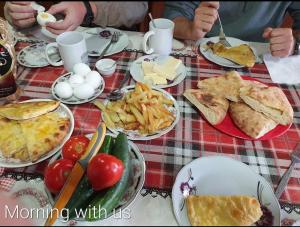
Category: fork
<point>222,37</point>
<point>117,93</point>
<point>284,180</point>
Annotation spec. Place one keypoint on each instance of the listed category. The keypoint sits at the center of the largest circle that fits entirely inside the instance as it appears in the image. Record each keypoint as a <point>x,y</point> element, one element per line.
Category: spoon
<point>109,67</point>
<point>150,15</point>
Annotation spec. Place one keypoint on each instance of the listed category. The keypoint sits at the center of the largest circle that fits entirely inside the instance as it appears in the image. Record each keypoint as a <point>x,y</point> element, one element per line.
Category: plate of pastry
<point>239,55</point>
<point>159,71</point>
<point>32,131</point>
<point>242,107</point>
<point>212,191</point>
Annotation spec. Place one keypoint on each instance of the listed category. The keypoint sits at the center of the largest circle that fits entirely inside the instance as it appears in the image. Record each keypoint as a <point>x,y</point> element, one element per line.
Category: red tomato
<point>57,173</point>
<point>75,147</point>
<point>104,171</point>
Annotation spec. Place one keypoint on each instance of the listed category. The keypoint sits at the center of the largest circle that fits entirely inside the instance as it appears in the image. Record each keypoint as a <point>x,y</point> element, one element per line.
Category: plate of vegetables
<point>113,178</point>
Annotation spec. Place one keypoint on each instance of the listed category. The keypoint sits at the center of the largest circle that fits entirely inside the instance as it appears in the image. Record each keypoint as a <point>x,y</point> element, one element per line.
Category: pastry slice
<point>213,107</point>
<point>251,122</point>
<point>24,111</point>
<point>223,210</point>
<point>44,133</point>
<point>226,86</point>
<point>270,101</point>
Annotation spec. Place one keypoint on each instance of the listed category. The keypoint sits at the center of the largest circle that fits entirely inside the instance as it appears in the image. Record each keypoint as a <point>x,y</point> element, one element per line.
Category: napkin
<point>283,70</point>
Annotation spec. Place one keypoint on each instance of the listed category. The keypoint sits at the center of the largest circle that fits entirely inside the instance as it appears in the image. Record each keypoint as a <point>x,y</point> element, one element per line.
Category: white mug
<point>72,49</point>
<point>160,37</point>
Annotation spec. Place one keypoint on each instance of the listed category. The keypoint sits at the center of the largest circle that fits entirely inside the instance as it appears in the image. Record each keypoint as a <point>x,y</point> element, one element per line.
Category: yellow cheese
<point>147,67</point>
<point>165,71</point>
<point>155,79</point>
<point>173,63</point>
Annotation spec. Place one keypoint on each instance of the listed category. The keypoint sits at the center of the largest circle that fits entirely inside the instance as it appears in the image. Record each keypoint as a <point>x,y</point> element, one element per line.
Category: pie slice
<point>211,210</point>
<point>226,86</point>
<point>12,140</point>
<point>24,111</point>
<point>44,133</point>
<point>251,122</point>
<point>242,54</point>
<point>213,107</point>
<point>269,100</point>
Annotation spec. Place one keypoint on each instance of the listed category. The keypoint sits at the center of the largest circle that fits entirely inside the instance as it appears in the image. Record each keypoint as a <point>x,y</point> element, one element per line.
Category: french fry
<point>108,121</point>
<point>145,113</point>
<point>100,105</point>
<point>137,114</point>
<point>132,126</point>
<point>113,116</point>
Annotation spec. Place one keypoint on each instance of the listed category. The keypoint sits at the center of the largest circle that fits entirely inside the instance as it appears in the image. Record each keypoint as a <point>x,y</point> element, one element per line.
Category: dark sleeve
<point>294,11</point>
<point>175,9</point>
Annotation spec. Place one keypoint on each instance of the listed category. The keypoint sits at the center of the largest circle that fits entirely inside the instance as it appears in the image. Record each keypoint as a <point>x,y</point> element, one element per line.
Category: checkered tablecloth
<point>192,137</point>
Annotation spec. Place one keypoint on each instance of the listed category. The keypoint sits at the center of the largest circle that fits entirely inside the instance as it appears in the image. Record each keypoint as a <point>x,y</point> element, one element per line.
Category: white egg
<point>81,69</point>
<point>43,18</point>
<point>76,80</point>
<point>93,78</point>
<point>84,91</point>
<point>63,90</point>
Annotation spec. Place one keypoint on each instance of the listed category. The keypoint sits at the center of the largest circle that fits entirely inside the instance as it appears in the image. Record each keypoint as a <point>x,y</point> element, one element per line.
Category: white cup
<point>160,37</point>
<point>72,49</point>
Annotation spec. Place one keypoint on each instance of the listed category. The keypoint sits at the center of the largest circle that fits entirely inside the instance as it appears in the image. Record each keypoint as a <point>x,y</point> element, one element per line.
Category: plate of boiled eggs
<point>82,85</point>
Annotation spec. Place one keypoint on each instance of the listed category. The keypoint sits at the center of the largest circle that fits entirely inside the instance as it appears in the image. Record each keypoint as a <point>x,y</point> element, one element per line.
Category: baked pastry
<point>270,101</point>
<point>251,122</point>
<point>226,86</point>
<point>214,108</point>
<point>208,210</point>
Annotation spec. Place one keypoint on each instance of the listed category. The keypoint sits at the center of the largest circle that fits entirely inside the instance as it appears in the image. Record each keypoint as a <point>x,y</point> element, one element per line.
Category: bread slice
<point>226,86</point>
<point>213,108</point>
<point>251,122</point>
<point>270,101</point>
<point>209,210</point>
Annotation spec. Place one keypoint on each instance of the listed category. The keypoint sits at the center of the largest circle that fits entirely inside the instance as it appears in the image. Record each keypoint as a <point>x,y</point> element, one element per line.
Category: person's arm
<point>119,14</point>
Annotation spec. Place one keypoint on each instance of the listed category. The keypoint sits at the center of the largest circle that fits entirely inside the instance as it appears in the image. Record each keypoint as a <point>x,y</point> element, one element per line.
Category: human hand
<point>205,16</point>
<point>282,41</point>
<point>20,14</point>
<point>74,14</point>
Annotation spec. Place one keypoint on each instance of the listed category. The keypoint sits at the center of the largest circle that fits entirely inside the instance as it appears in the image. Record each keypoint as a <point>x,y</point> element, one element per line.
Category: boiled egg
<point>43,18</point>
<point>81,69</point>
<point>76,80</point>
<point>63,90</point>
<point>84,91</point>
<point>93,78</point>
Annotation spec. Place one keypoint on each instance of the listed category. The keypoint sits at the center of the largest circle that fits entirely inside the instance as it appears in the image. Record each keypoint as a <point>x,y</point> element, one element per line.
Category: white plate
<point>135,135</point>
<point>138,75</point>
<point>33,56</point>
<point>74,100</point>
<point>218,175</point>
<point>64,111</point>
<point>96,43</point>
<point>137,177</point>
<point>219,60</point>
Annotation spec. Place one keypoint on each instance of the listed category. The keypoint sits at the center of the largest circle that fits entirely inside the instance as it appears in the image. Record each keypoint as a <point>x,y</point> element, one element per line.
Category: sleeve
<point>119,14</point>
<point>294,11</point>
<point>175,9</point>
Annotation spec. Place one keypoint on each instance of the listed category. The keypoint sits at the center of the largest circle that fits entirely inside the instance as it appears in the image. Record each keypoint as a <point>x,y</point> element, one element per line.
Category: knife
<point>76,174</point>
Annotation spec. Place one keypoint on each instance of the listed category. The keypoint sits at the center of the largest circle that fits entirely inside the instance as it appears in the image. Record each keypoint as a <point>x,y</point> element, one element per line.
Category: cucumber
<point>84,192</point>
<point>113,195</point>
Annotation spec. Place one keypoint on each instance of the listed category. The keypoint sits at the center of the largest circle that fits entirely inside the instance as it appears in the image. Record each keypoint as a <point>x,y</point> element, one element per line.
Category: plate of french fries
<point>144,113</point>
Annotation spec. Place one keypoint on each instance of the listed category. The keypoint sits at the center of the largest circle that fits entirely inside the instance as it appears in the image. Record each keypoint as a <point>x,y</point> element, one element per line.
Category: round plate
<point>64,111</point>
<point>33,56</point>
<point>138,75</point>
<point>218,175</point>
<point>137,177</point>
<point>74,100</point>
<point>135,135</point>
<point>96,43</point>
<point>208,54</point>
<point>227,126</point>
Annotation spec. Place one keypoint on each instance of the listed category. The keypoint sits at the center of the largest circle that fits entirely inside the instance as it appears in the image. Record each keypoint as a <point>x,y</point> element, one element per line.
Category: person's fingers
<point>21,3</point>
<point>57,8</point>
<point>60,25</point>
<point>267,33</point>
<point>287,32</point>
<point>20,16</point>
<point>278,47</point>
<point>280,53</point>
<point>209,19</point>
<point>215,4</point>
<point>278,40</point>
<point>14,8</point>
<point>205,11</point>
<point>24,23</point>
<point>206,27</point>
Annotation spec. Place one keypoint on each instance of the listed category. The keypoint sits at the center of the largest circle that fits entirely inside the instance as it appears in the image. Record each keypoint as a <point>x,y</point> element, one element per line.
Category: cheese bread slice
<point>270,101</point>
<point>213,107</point>
<point>251,122</point>
<point>12,140</point>
<point>44,133</point>
<point>23,111</point>
<point>226,86</point>
<point>236,210</point>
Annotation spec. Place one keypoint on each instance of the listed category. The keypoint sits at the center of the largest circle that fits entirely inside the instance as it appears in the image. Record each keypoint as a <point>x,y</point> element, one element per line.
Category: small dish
<point>106,66</point>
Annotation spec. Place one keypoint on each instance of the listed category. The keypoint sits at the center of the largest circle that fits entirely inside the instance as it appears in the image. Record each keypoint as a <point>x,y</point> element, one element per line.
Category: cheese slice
<point>155,79</point>
<point>147,67</point>
<point>165,71</point>
<point>173,63</point>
